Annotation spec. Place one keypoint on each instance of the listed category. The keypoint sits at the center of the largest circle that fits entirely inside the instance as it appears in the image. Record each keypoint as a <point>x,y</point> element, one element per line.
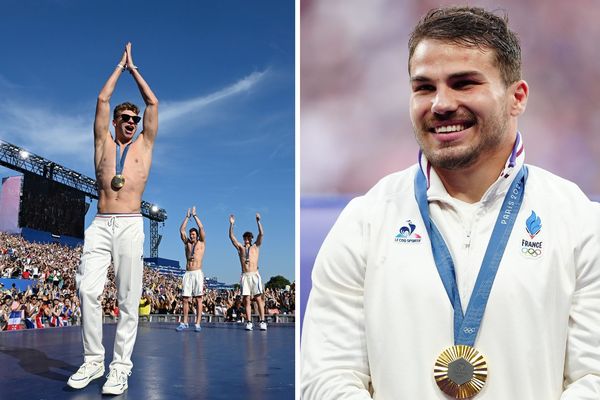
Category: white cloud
<point>4,82</point>
<point>250,140</point>
<point>172,111</point>
<point>67,136</point>
<point>48,133</point>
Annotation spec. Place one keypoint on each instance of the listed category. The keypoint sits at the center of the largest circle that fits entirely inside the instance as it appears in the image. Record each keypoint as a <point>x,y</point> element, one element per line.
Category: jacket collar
<point>437,192</point>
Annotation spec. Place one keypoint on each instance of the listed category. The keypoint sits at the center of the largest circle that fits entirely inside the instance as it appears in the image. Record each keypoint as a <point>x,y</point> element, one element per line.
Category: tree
<point>277,282</point>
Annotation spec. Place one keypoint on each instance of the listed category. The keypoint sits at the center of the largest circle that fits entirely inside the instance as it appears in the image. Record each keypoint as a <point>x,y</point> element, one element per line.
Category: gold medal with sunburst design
<point>460,371</point>
<point>118,181</point>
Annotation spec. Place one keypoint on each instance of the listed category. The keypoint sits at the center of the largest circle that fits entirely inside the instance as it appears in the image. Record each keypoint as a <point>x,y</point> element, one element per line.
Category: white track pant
<point>119,237</point>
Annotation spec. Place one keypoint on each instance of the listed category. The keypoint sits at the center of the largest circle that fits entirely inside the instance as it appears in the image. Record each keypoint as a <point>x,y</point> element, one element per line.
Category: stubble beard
<point>452,157</point>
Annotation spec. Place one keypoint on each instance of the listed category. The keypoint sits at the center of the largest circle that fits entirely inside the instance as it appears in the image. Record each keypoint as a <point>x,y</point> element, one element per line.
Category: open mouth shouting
<point>129,123</point>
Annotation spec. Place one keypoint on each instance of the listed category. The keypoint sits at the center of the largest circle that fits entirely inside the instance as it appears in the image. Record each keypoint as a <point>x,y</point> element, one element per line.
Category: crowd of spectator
<point>51,298</point>
<point>163,293</point>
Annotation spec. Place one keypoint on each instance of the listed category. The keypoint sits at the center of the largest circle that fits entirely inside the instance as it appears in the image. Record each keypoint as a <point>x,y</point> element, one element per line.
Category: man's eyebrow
<point>419,78</point>
<point>454,76</point>
<point>466,74</point>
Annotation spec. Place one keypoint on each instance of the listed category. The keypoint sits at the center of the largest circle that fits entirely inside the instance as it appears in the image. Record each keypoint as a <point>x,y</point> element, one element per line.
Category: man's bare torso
<point>194,261</point>
<point>136,169</point>
<point>251,257</point>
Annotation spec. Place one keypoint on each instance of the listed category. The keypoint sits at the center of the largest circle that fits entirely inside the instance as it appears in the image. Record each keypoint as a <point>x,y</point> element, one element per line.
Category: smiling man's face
<point>459,105</point>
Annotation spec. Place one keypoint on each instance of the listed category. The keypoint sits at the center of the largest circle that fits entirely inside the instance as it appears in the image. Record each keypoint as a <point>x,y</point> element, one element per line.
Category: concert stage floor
<point>222,362</point>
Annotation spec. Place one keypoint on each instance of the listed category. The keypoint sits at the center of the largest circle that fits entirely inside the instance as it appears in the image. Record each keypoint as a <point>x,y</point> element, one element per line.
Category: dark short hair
<point>472,27</point>
<point>125,106</point>
<point>195,230</point>
<point>248,234</point>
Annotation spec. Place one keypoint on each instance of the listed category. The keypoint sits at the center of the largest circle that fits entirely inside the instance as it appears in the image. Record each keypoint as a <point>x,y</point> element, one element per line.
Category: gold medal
<point>118,181</point>
<point>460,371</point>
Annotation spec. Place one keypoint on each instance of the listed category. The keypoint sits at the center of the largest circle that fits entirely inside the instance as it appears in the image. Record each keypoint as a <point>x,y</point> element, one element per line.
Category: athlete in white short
<point>117,233</point>
<point>251,284</point>
<point>193,280</point>
<point>193,283</point>
<point>250,281</point>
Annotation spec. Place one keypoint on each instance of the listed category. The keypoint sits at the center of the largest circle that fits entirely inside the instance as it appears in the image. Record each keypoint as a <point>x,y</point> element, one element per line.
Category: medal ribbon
<point>191,256</point>
<point>247,254</point>
<point>120,162</point>
<point>466,327</point>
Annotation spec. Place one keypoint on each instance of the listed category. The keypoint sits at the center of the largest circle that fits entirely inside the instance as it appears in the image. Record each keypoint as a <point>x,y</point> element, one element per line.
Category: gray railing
<point>207,318</point>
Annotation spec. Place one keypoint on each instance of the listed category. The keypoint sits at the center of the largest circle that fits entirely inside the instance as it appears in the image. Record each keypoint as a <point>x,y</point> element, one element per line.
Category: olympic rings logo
<point>470,331</point>
<point>531,252</point>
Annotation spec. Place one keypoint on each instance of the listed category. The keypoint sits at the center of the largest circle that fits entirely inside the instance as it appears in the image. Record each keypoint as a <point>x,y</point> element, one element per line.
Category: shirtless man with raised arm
<point>193,280</point>
<point>250,282</point>
<point>117,233</point>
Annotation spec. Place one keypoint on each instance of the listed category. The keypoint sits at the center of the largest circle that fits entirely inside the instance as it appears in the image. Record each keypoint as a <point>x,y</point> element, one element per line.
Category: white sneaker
<point>85,374</point>
<point>248,326</point>
<point>181,327</point>
<point>263,326</point>
<point>116,382</point>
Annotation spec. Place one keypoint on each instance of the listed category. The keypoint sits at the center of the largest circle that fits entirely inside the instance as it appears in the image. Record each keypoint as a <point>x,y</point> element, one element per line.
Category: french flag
<point>14,320</point>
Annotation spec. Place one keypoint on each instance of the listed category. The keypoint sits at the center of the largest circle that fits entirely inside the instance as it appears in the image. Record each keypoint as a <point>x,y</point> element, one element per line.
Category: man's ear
<point>518,100</point>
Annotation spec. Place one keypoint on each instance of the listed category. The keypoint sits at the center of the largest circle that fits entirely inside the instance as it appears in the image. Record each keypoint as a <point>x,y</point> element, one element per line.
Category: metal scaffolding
<point>154,238</point>
<point>19,159</point>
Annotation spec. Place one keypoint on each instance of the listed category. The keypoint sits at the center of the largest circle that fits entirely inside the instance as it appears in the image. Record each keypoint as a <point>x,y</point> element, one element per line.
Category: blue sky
<point>224,75</point>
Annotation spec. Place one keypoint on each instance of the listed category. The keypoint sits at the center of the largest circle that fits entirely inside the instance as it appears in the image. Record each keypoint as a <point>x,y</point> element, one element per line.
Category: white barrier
<point>209,318</point>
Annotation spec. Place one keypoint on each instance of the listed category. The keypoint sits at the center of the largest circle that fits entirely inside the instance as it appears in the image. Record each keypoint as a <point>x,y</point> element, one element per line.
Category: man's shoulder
<point>392,186</point>
<point>141,143</point>
<point>553,187</point>
<point>103,138</point>
<point>393,183</point>
<point>577,214</point>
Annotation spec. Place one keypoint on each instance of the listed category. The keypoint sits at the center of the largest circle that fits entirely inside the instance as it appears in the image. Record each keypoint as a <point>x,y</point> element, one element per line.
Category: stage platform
<point>223,361</point>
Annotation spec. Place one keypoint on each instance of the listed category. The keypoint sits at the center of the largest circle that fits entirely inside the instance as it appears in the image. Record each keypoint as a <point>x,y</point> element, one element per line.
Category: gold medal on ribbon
<point>118,181</point>
<point>460,371</point>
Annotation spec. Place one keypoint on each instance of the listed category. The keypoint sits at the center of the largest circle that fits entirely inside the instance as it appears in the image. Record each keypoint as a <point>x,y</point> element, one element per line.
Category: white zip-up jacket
<point>378,315</point>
